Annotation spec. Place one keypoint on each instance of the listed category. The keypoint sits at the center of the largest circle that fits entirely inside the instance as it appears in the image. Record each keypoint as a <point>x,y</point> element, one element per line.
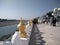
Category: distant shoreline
<point>6,23</point>
<point>11,22</point>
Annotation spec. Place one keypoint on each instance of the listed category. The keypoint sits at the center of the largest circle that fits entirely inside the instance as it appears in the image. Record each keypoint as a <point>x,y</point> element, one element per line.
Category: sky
<point>27,9</point>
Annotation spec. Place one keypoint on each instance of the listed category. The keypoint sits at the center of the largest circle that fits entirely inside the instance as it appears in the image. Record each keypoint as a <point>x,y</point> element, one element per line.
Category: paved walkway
<point>50,34</point>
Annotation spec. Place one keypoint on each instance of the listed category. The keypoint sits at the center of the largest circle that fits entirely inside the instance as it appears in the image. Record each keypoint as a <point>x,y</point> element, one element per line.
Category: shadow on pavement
<point>36,38</point>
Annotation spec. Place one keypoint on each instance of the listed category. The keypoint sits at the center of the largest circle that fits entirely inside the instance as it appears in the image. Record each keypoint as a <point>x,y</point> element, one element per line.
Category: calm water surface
<point>8,29</point>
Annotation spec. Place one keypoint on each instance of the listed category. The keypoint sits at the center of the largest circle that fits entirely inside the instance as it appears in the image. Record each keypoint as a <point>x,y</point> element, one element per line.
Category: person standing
<point>54,21</point>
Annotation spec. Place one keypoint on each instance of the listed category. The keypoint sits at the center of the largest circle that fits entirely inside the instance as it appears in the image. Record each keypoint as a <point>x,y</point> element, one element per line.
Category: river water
<point>8,29</point>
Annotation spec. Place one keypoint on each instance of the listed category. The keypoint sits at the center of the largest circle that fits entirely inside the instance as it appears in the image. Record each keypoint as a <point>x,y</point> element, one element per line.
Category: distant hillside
<point>2,20</point>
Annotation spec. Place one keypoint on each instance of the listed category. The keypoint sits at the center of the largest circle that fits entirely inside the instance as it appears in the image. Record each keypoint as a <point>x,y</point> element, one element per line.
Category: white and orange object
<point>21,27</point>
<point>29,28</point>
<point>16,40</point>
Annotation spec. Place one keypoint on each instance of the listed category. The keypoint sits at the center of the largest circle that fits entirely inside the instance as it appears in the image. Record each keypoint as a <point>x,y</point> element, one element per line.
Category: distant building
<point>56,13</point>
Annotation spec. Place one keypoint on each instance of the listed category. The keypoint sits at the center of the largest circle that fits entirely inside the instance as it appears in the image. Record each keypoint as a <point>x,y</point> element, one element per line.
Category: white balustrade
<point>16,40</point>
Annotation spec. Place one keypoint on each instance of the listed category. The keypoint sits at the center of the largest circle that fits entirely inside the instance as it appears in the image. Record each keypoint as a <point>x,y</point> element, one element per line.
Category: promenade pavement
<point>50,34</point>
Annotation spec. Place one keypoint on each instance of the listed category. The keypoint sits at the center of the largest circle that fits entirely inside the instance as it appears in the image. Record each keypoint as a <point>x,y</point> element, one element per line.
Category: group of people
<point>52,21</point>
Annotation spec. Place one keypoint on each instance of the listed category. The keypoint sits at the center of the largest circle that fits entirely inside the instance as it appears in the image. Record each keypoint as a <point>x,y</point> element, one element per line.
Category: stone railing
<point>16,40</point>
<point>22,36</point>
